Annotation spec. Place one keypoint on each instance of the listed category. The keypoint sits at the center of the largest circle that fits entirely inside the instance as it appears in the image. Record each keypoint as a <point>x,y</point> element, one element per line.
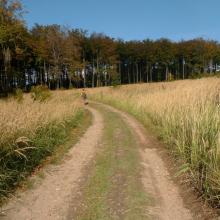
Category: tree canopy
<point>58,56</point>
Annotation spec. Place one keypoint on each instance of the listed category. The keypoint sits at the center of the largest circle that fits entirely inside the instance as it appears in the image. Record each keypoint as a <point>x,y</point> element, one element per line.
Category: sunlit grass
<point>31,130</point>
<point>187,114</point>
<point>22,119</point>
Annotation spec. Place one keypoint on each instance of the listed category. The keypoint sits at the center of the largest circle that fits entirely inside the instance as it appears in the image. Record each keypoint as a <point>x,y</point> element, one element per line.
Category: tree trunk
<point>45,73</point>
<point>147,72</point>
<point>167,70</point>
<point>105,73</point>
<point>133,72</point>
<point>151,77</point>
<point>97,70</point>
<point>93,75</point>
<point>84,68</point>
<point>211,66</point>
<point>137,73</point>
<point>119,69</point>
<point>129,78</point>
<point>141,72</point>
<point>183,72</point>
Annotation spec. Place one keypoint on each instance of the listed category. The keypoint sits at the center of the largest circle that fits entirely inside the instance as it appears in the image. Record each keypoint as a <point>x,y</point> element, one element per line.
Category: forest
<point>61,57</point>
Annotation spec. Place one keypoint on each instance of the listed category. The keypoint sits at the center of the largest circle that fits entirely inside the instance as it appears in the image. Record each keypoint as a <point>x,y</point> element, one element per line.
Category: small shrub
<point>18,95</point>
<point>40,93</point>
<point>170,77</point>
<point>217,74</point>
<point>115,80</point>
<point>195,75</point>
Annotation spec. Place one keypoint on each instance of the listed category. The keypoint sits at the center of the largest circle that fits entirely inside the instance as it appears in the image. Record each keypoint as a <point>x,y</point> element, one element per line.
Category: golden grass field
<point>22,119</point>
<point>31,130</point>
<point>187,116</point>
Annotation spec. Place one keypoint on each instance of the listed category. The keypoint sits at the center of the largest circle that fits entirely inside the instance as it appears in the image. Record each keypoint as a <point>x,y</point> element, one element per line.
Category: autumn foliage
<point>57,56</point>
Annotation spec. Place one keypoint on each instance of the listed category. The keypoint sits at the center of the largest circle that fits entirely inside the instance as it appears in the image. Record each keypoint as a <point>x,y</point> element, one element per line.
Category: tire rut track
<point>157,181</point>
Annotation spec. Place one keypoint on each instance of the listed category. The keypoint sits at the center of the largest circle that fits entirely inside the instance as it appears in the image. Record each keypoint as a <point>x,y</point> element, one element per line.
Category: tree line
<point>58,56</point>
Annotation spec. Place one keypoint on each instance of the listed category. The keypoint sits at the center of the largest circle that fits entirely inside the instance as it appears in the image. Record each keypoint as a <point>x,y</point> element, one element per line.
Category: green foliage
<point>196,75</point>
<point>40,93</point>
<point>170,77</point>
<point>51,47</point>
<point>18,95</point>
<point>202,75</point>
<point>115,80</point>
<point>19,160</point>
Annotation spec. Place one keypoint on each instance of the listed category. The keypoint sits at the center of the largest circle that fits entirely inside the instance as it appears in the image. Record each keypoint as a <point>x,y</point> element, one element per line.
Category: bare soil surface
<point>52,199</point>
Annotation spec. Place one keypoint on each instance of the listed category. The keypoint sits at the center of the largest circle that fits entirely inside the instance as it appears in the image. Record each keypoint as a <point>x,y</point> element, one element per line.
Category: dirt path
<point>53,199</point>
<point>157,181</point>
<point>50,200</point>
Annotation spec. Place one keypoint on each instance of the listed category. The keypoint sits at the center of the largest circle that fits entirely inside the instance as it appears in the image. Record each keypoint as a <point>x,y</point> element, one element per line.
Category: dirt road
<point>114,172</point>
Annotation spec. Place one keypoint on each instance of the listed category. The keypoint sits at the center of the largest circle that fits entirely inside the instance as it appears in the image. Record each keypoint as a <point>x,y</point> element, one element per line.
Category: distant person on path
<point>84,97</point>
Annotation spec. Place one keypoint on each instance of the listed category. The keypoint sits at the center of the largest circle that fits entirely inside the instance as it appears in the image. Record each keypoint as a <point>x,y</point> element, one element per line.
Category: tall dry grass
<point>23,119</point>
<point>30,130</point>
<point>187,114</point>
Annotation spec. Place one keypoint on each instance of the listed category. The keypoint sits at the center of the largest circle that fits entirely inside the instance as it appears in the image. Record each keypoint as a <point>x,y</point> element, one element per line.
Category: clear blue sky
<point>131,19</point>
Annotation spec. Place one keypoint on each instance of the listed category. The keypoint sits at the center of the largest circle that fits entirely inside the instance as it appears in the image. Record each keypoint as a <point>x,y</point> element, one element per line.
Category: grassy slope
<point>114,189</point>
<point>49,145</point>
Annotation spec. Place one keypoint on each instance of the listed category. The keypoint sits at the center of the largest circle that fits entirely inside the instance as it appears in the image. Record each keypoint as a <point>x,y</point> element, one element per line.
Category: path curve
<point>156,179</point>
<point>51,199</point>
